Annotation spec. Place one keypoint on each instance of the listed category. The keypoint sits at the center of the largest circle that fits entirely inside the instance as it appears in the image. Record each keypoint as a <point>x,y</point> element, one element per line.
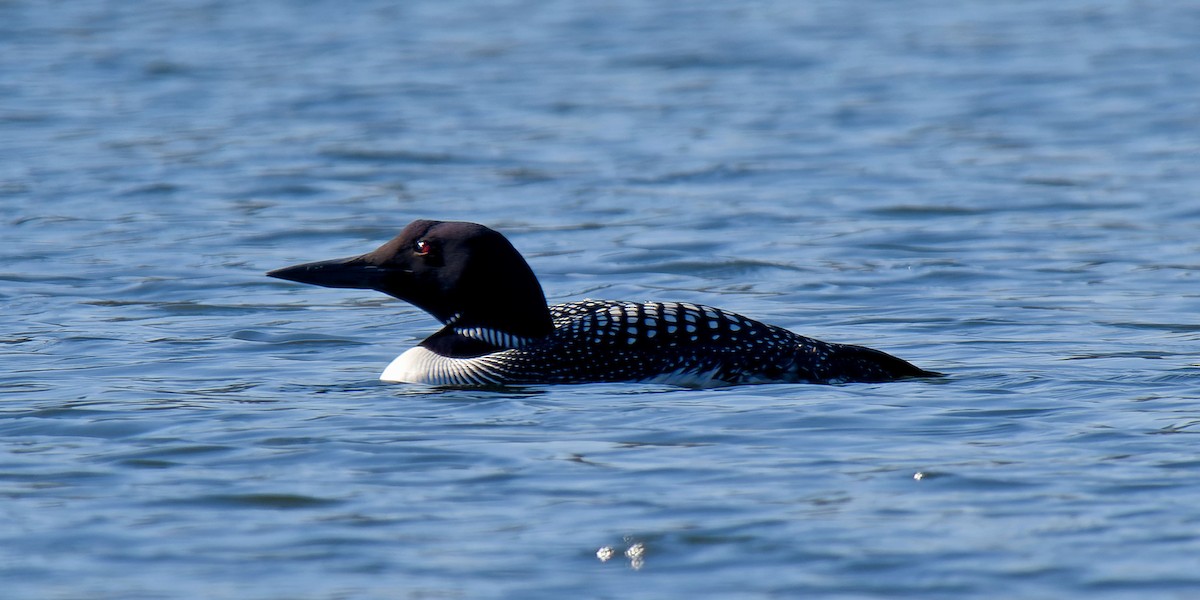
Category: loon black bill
<point>351,272</point>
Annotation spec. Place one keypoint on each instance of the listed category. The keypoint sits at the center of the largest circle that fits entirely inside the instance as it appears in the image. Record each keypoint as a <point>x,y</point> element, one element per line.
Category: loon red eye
<point>423,247</point>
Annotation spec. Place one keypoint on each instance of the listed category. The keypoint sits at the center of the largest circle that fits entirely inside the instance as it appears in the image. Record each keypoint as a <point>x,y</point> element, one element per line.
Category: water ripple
<point>1001,191</point>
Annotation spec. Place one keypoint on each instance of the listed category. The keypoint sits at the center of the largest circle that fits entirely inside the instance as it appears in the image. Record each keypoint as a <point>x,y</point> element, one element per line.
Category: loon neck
<point>497,326</point>
<point>465,342</point>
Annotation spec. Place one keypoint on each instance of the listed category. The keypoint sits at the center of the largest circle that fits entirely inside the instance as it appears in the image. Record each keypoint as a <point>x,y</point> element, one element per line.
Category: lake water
<point>1002,191</point>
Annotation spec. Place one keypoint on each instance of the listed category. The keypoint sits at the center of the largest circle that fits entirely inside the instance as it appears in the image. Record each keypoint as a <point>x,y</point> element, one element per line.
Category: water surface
<point>1001,191</point>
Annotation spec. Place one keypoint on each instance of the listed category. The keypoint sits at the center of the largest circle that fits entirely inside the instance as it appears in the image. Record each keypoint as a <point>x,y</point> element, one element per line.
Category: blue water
<point>1003,191</point>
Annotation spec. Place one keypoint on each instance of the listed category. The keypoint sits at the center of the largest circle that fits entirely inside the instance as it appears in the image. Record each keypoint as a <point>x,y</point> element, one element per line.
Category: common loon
<point>498,329</point>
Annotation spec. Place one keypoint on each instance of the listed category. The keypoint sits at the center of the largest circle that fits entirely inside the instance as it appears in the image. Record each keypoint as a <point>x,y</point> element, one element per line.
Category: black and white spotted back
<point>677,342</point>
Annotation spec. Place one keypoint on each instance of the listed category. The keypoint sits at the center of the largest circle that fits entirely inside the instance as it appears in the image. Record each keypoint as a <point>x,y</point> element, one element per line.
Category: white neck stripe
<point>494,337</point>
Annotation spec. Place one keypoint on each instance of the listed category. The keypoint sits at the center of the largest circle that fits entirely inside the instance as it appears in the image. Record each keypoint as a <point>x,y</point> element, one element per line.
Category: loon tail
<point>848,362</point>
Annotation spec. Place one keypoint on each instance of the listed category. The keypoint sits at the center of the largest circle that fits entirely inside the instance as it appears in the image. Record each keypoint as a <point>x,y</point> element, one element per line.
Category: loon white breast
<point>498,330</point>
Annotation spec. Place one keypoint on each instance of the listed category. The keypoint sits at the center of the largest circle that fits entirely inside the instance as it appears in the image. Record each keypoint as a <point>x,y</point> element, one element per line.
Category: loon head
<point>464,274</point>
